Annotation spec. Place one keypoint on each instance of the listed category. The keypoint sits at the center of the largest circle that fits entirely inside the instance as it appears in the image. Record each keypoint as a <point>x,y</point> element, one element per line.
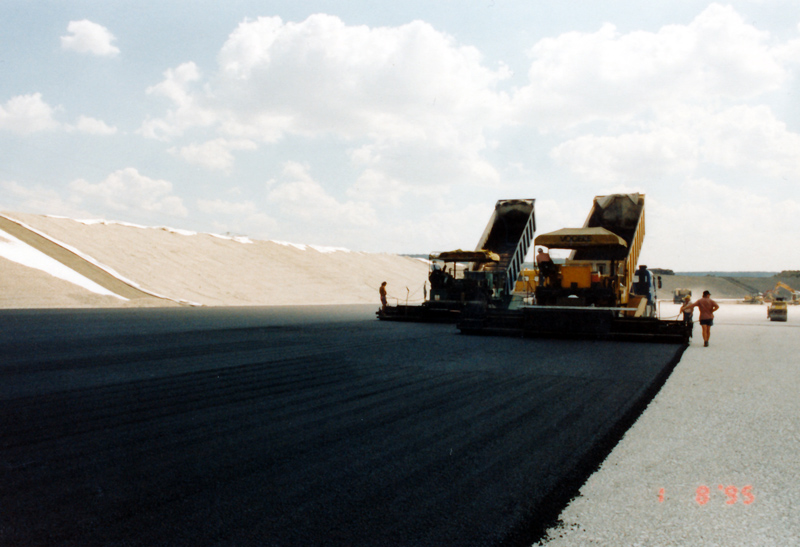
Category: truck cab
<point>645,286</point>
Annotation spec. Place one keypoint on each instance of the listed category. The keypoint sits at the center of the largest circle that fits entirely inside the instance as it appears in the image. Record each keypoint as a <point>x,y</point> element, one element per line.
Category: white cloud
<point>721,227</point>
<point>628,157</point>
<point>38,199</point>
<point>751,139</point>
<point>678,103</point>
<point>128,191</point>
<point>304,200</point>
<point>579,77</point>
<point>92,126</point>
<point>214,154</point>
<point>789,52</point>
<point>376,187</point>
<point>239,217</point>
<point>740,138</point>
<point>353,80</point>
<point>417,115</point>
<point>412,165</point>
<point>450,228</point>
<point>88,37</point>
<point>222,207</point>
<point>27,114</point>
<point>177,87</point>
<point>175,82</point>
<point>411,93</point>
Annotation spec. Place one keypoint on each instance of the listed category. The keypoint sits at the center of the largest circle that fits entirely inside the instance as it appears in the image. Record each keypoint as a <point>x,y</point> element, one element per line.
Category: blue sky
<point>395,126</point>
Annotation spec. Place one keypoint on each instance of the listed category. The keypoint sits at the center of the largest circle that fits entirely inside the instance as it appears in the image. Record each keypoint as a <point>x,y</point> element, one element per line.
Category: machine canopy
<point>466,256</point>
<point>578,238</point>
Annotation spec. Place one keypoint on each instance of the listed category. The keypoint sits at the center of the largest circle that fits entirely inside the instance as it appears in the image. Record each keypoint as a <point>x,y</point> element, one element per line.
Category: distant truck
<point>678,295</point>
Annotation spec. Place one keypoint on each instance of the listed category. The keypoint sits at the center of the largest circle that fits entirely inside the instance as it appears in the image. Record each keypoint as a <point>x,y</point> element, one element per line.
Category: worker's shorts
<point>708,322</point>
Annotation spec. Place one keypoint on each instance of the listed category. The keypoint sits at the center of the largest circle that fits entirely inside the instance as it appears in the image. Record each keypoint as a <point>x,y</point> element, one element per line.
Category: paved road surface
<point>303,426</point>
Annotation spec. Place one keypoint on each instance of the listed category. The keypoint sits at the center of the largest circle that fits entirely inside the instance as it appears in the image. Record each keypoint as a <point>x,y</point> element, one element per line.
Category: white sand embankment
<point>210,270</point>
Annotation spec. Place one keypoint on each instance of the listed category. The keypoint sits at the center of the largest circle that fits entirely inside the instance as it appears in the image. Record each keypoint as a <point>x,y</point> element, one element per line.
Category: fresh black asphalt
<point>298,426</point>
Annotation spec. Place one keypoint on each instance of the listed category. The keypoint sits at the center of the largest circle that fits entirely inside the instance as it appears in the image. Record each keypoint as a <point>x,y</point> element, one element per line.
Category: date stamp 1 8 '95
<point>732,494</point>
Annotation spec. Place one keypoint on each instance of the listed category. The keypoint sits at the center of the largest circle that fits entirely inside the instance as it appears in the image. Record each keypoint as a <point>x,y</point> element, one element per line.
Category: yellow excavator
<point>772,294</point>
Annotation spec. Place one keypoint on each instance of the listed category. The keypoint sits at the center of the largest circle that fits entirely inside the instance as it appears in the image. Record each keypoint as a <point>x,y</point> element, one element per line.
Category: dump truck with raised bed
<point>597,292</point>
<point>484,277</point>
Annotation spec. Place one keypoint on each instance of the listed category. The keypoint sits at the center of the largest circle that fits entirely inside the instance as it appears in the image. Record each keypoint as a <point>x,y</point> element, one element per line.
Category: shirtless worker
<point>707,308</point>
<point>542,256</point>
<point>545,264</point>
<point>382,291</point>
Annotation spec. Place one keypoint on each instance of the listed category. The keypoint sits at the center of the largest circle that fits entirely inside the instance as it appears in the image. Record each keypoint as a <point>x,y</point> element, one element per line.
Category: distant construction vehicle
<point>772,294</point>
<point>777,310</point>
<point>754,299</point>
<point>679,295</point>
<point>598,292</point>
<point>485,277</point>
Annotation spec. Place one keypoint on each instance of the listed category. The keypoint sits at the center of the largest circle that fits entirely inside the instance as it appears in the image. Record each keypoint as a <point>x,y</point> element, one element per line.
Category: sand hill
<point>166,267</point>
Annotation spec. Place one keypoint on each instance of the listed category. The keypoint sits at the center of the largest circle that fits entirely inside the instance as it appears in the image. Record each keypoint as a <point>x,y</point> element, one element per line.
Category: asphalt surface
<point>299,426</point>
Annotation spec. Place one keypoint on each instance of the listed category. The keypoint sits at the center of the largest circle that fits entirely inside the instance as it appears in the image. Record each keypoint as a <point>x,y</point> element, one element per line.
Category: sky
<point>395,126</point>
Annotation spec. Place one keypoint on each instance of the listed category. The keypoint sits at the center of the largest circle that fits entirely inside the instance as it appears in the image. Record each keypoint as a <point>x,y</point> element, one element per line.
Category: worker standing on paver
<point>545,263</point>
<point>707,308</point>
<point>542,256</point>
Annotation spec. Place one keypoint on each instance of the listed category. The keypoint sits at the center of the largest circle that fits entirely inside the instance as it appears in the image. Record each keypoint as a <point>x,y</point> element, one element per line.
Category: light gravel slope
<point>727,417</point>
